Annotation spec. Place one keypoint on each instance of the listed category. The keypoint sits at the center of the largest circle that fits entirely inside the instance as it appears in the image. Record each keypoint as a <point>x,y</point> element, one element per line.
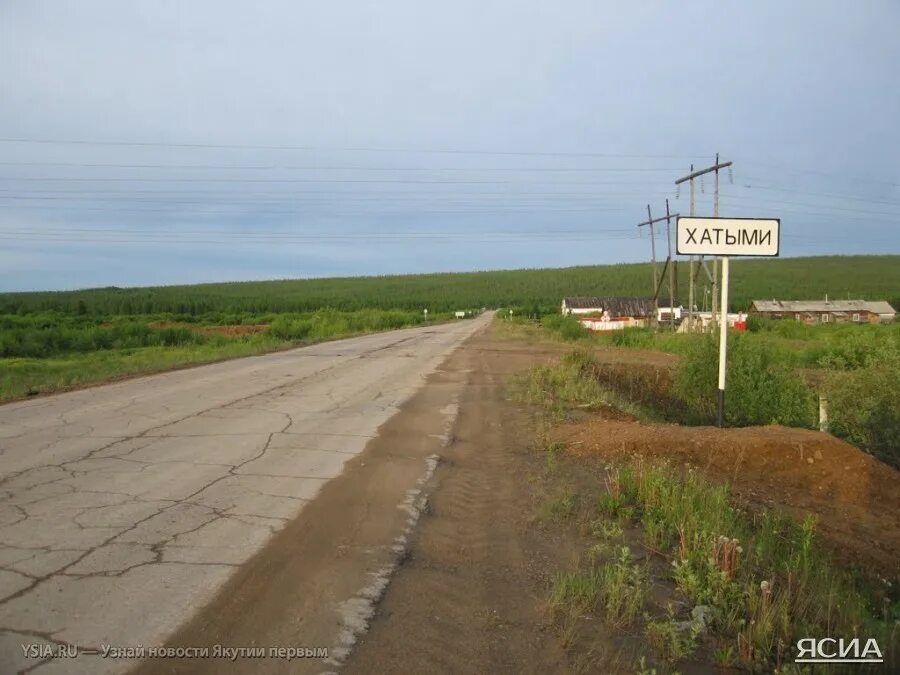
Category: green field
<point>867,277</point>
<point>55,340</point>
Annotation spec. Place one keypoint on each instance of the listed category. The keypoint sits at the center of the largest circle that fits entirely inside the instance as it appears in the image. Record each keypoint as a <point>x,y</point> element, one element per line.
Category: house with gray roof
<point>603,313</point>
<point>825,311</point>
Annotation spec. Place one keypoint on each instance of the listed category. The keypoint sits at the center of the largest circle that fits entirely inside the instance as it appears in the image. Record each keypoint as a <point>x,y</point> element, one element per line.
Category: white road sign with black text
<point>728,236</point>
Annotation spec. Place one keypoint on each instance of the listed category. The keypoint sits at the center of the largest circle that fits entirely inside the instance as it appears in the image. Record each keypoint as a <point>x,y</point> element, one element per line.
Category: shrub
<point>567,327</point>
<point>762,387</point>
<point>633,337</point>
<point>864,401</point>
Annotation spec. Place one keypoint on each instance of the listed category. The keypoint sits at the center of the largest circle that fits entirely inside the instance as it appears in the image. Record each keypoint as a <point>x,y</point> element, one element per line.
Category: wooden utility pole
<point>715,279</point>
<point>657,279</point>
<point>692,275</point>
<point>670,263</point>
<point>652,248</point>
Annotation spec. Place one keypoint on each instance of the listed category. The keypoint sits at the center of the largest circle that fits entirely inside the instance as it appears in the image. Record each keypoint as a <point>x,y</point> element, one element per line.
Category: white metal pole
<point>723,342</point>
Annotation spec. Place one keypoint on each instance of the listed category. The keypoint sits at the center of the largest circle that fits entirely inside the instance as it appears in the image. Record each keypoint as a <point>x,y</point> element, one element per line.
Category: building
<point>825,311</point>
<point>610,313</point>
<point>665,314</point>
<point>703,322</point>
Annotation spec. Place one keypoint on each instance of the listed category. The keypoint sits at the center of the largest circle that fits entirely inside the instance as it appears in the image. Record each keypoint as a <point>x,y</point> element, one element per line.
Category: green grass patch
<point>25,376</point>
<point>769,380</point>
<point>558,508</point>
<point>762,579</point>
<point>563,386</point>
<point>50,351</point>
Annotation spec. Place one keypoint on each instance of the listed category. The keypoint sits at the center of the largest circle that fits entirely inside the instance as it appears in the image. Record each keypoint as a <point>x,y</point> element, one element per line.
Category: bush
<point>864,400</point>
<point>633,337</point>
<point>762,387</point>
<point>567,327</point>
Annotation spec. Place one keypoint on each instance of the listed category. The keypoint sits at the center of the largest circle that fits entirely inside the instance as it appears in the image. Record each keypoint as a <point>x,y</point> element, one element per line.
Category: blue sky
<point>173,142</point>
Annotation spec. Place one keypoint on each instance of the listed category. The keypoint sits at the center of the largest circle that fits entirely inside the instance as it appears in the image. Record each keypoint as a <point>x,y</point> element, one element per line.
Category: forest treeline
<point>534,290</point>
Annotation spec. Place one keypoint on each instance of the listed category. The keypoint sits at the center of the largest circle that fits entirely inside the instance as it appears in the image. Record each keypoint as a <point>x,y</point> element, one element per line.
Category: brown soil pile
<point>236,329</point>
<point>855,497</point>
<point>227,329</point>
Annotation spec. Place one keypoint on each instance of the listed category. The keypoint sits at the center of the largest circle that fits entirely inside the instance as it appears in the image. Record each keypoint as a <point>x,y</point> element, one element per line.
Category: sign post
<point>727,237</point>
<point>723,344</point>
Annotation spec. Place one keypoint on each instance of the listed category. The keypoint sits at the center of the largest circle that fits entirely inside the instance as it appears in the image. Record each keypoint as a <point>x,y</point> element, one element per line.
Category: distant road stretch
<point>124,507</point>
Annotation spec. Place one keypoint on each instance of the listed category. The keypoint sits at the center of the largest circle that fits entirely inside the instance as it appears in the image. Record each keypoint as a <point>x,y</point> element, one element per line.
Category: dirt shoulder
<point>472,594</point>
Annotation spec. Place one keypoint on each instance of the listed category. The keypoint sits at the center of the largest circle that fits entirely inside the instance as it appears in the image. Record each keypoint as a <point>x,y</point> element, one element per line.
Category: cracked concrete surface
<point>124,507</point>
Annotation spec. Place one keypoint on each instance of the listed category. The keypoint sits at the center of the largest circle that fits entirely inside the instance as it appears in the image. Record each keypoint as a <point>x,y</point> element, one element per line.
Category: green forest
<point>866,277</point>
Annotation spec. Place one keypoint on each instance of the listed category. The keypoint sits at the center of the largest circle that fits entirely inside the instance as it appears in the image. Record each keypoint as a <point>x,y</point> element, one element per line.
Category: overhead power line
<point>314,148</point>
<point>310,167</point>
<point>409,181</point>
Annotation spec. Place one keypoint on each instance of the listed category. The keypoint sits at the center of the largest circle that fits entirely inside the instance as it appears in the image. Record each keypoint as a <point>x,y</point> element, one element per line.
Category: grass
<point>48,352</point>
<point>674,640</point>
<point>747,585</point>
<point>559,508</point>
<point>742,586</point>
<point>26,376</point>
<point>762,577</point>
<point>559,387</point>
<point>618,587</point>
<point>770,378</point>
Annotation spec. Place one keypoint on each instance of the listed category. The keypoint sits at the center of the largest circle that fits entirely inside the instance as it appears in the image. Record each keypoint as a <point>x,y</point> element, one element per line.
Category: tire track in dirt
<point>471,595</point>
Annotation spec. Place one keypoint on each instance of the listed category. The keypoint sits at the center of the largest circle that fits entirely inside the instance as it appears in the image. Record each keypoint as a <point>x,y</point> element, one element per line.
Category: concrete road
<point>123,508</point>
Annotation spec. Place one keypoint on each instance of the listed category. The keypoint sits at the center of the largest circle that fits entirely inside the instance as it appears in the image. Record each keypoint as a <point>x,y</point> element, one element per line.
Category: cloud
<point>387,114</point>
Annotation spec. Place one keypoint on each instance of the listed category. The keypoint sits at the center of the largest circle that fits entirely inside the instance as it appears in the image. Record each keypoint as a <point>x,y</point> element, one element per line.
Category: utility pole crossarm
<point>658,220</point>
<point>701,172</point>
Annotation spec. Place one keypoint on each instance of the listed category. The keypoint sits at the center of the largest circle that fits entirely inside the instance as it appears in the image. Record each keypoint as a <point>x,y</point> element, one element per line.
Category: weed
<point>643,668</point>
<point>559,508</point>
<point>761,577</point>
<point>597,551</point>
<point>673,639</point>
<point>724,656</point>
<point>624,587</point>
<point>576,590</point>
<point>606,529</point>
<point>571,383</point>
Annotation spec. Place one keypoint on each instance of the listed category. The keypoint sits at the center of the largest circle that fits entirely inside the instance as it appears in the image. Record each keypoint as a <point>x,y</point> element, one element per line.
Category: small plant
<point>644,669</point>
<point>674,639</point>
<point>577,590</point>
<point>726,553</point>
<point>597,551</point>
<point>624,587</point>
<point>606,529</point>
<point>559,508</point>
<point>724,656</point>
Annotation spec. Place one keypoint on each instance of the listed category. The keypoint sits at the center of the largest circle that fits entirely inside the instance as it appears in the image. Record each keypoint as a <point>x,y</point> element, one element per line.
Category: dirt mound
<point>855,497</point>
<point>224,329</point>
<point>234,329</point>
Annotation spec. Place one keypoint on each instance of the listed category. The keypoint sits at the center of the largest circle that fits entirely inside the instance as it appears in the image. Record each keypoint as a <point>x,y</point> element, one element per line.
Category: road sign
<point>758,237</point>
<point>726,237</point>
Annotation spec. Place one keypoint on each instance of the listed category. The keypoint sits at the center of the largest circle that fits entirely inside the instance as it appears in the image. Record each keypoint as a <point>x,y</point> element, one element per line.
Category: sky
<point>165,142</point>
